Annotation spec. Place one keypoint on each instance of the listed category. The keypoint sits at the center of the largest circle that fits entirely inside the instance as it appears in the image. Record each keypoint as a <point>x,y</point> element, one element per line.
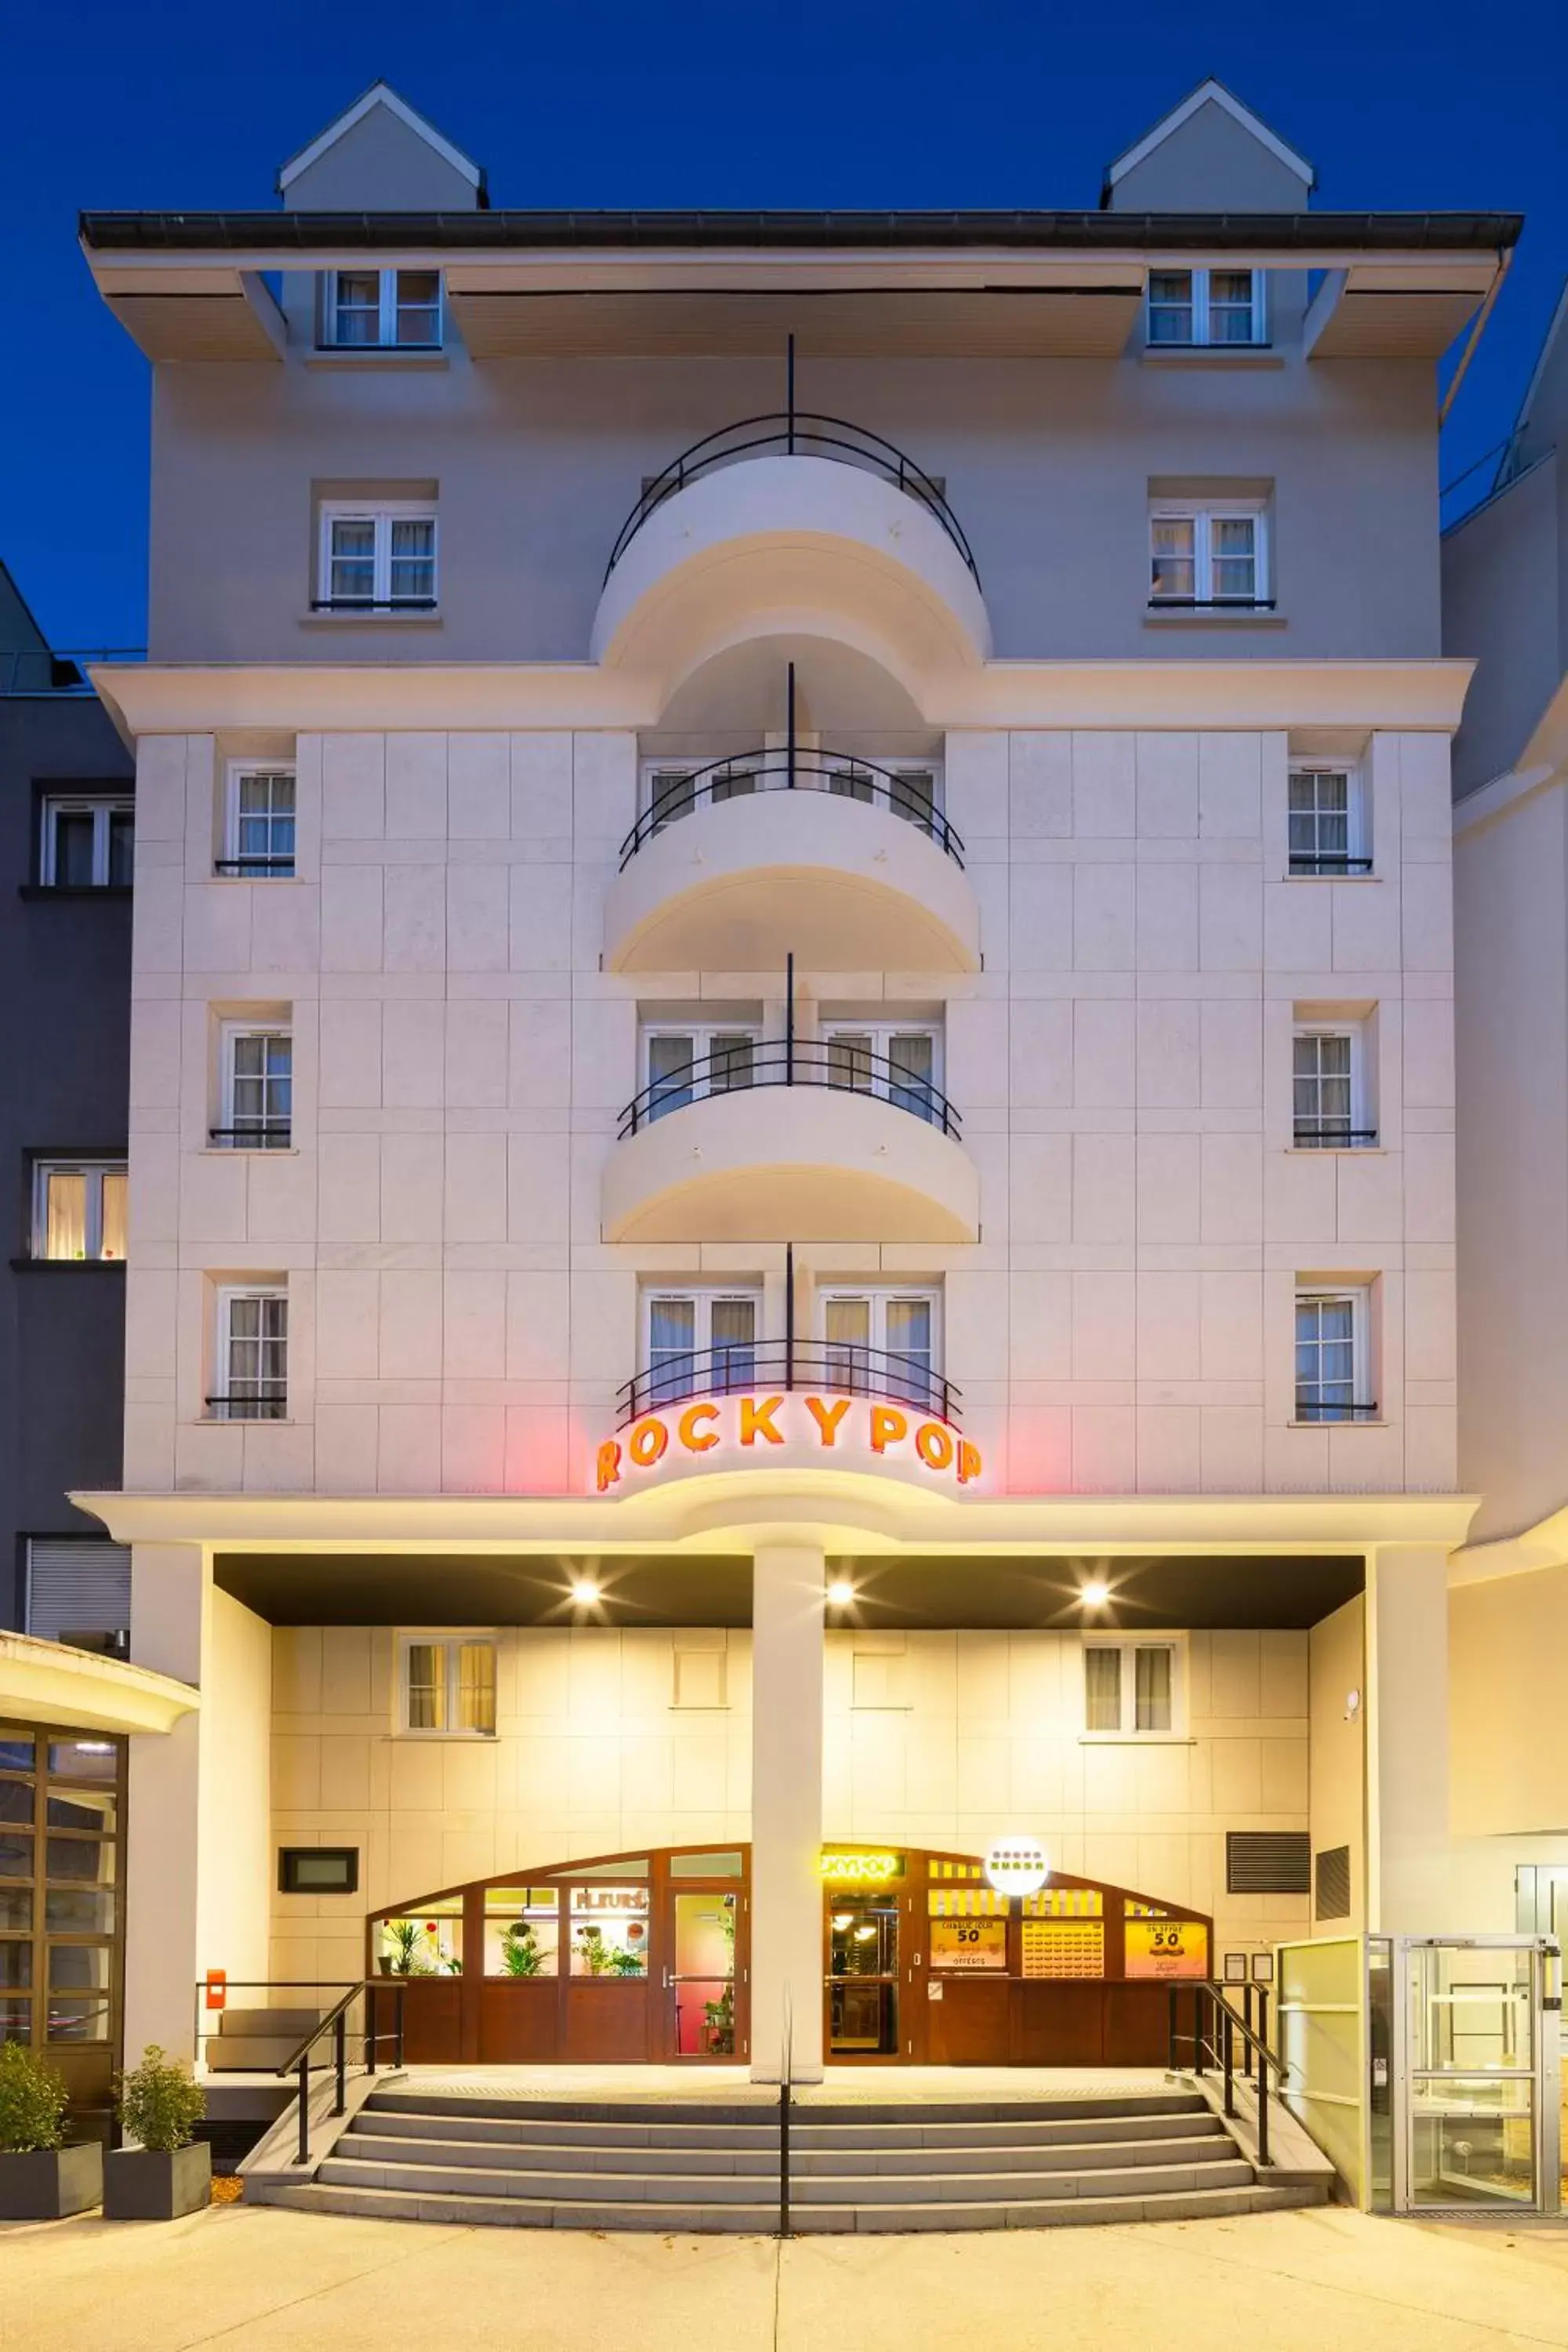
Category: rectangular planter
<point>47,2183</point>
<point>142,2184</point>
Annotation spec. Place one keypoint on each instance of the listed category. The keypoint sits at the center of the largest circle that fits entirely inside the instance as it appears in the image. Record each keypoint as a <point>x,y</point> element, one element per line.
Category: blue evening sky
<point>1403,104</point>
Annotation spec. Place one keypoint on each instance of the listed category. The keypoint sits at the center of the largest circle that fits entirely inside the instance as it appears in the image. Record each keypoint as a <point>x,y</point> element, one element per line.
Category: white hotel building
<point>792,1127</point>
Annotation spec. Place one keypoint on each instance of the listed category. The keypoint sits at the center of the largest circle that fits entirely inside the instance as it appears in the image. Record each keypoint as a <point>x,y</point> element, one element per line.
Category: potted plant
<point>41,2178</point>
<point>622,1962</point>
<point>406,1937</point>
<point>520,1952</point>
<point>168,2172</point>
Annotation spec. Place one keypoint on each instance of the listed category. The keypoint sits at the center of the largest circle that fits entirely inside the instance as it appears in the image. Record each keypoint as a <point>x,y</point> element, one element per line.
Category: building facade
<point>792,1112</point>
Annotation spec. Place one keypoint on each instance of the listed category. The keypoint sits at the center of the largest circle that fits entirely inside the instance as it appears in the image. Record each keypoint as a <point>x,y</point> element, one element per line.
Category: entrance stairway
<point>694,2165</point>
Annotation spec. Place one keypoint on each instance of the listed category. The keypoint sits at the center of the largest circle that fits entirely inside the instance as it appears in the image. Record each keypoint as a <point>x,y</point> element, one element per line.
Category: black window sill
<point>68,1265</point>
<point>42,891</point>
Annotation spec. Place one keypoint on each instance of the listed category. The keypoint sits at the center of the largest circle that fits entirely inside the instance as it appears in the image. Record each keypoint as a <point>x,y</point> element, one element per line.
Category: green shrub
<point>159,2104</point>
<point>33,2101</point>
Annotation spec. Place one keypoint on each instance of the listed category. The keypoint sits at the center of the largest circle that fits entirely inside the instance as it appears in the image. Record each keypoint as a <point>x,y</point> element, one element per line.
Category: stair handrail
<point>1228,2025</point>
<point>786,2056</point>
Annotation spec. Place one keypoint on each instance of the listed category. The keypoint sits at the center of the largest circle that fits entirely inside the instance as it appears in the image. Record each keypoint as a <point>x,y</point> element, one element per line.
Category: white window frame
<point>704,1297</point>
<point>240,772</point>
<point>1202,337</point>
<point>228,1294</point>
<point>450,1644</point>
<point>1128,1645</point>
<point>882,1035</point>
<point>879,1296</point>
<point>716,785</point>
<point>381,513</point>
<point>1363,1125</point>
<point>94,1171</point>
<point>1358,822</point>
<point>1359,1294</point>
<point>704,1035</point>
<point>102,808</point>
<point>1202,514</point>
<point>230,1034</point>
<point>388,307</point>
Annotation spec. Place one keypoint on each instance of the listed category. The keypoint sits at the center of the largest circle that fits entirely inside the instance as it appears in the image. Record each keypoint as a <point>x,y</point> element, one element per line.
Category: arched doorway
<point>645,1959</point>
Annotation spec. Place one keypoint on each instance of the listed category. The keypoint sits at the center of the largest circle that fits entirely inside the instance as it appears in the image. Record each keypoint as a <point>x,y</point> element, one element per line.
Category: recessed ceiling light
<point>840,1592</point>
<point>585,1591</point>
<point>1095,1595</point>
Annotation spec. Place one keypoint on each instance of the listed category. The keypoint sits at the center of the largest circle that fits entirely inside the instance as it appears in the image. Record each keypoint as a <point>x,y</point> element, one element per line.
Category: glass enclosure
<point>1471,2024</point>
<point>425,1943</point>
<point>522,1931</point>
<point>60,1817</point>
<point>609,1930</point>
<point>863,1974</point>
<point>702,1979</point>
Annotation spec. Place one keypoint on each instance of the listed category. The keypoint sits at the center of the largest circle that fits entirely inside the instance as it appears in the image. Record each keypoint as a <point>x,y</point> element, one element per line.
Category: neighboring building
<point>1051,1113</point>
<point>1505,584</point>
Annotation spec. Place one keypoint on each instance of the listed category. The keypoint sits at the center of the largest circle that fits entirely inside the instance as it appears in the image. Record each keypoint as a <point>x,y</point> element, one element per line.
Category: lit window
<point>878,1343</point>
<point>1132,1689</point>
<point>1328,1108</point>
<point>898,1064</point>
<point>259,828</point>
<point>382,310</point>
<point>257,1090</point>
<point>1329,828</point>
<point>87,844</point>
<point>1209,307</point>
<point>1208,555</point>
<point>698,1342</point>
<point>685,1064</point>
<point>1332,1355</point>
<point>377,558</point>
<point>78,1209</point>
<point>448,1685</point>
<point>251,1355</point>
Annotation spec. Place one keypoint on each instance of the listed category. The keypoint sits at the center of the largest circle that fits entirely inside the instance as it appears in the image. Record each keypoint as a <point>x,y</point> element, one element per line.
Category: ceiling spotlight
<point>585,1591</point>
<point>840,1592</point>
<point>1094,1595</point>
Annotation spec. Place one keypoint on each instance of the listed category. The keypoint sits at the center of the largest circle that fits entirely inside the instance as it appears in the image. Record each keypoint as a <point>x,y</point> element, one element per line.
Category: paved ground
<point>267,2280</point>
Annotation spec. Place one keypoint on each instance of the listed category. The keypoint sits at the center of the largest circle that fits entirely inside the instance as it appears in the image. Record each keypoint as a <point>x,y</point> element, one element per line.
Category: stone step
<point>256,2054</point>
<point>369,2144</point>
<point>761,2220</point>
<point>813,2114</point>
<point>295,2023</point>
<point>610,2130</point>
<point>572,2184</point>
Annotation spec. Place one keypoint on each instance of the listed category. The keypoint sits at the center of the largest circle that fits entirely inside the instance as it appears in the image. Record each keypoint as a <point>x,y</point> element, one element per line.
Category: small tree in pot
<point>41,2178</point>
<point>166,2173</point>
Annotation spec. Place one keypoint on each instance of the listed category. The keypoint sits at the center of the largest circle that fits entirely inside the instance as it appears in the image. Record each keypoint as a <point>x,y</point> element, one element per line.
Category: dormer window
<point>1220,307</point>
<point>382,310</point>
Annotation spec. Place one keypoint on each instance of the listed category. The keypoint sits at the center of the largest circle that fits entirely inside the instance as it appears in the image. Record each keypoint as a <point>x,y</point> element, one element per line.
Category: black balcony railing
<point>373,604</point>
<point>260,1135</point>
<point>783,770</point>
<point>738,1067</point>
<point>1331,1135</point>
<point>1311,862</point>
<point>279,866</point>
<point>829,1367</point>
<point>794,433</point>
<point>251,1401</point>
<point>1322,1408</point>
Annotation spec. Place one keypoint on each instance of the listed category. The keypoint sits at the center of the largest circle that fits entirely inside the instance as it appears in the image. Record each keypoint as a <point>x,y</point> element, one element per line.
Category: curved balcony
<point>733,868</point>
<point>824,1367</point>
<point>795,433</point>
<point>790,1145</point>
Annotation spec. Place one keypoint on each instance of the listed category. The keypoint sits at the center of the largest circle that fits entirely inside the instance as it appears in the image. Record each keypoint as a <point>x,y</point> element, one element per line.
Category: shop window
<point>59,1954</point>
<point>447,1686</point>
<point>1133,1689</point>
<point>609,1931</point>
<point>522,1931</point>
<point>426,1942</point>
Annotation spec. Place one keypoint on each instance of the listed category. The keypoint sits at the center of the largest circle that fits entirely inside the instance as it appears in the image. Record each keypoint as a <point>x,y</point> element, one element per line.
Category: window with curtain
<point>448,1684</point>
<point>1130,1688</point>
<point>1208,555</point>
<point>382,310</point>
<point>1328,830</point>
<point>684,1065</point>
<point>377,558</point>
<point>883,1343</point>
<point>78,1210</point>
<point>258,1090</point>
<point>260,835</point>
<point>1205,307</point>
<point>700,1340</point>
<point>1331,1356</point>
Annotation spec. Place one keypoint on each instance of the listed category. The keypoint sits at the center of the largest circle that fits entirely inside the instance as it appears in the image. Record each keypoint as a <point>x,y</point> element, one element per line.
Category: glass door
<point>863,1975</point>
<point>700,1980</point>
<point>1473,2131</point>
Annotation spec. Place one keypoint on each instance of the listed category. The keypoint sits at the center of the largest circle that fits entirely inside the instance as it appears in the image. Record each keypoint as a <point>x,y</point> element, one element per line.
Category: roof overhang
<point>1396,308</point>
<point>216,311</point>
<point>46,1682</point>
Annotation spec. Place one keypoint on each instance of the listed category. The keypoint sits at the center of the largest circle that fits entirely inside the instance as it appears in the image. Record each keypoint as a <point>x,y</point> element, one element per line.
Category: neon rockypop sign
<point>798,1432</point>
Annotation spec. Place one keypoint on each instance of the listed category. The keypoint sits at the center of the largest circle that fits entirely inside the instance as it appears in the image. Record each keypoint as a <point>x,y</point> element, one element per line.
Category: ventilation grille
<point>1333,1899</point>
<point>77,1586</point>
<point>1268,1861</point>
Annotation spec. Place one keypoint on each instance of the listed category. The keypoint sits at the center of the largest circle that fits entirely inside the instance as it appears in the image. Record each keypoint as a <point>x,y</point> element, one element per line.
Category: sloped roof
<point>380,93</point>
<point>1208,92</point>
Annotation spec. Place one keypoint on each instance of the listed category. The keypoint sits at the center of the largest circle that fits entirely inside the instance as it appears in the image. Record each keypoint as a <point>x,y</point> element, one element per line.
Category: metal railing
<point>836,1366</point>
<point>335,2022</point>
<point>1217,2030</point>
<point>1212,604</point>
<point>797,433</point>
<point>258,868</point>
<point>842,775</point>
<point>373,604</point>
<point>41,669</point>
<point>1311,862</point>
<point>1333,1134</point>
<point>789,1061</point>
<point>257,1400</point>
<point>257,1135</point>
<point>1330,1409</point>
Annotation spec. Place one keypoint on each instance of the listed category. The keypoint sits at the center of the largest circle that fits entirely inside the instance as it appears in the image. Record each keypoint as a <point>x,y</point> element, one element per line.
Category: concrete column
<point>786,1807</point>
<point>1412,1884</point>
